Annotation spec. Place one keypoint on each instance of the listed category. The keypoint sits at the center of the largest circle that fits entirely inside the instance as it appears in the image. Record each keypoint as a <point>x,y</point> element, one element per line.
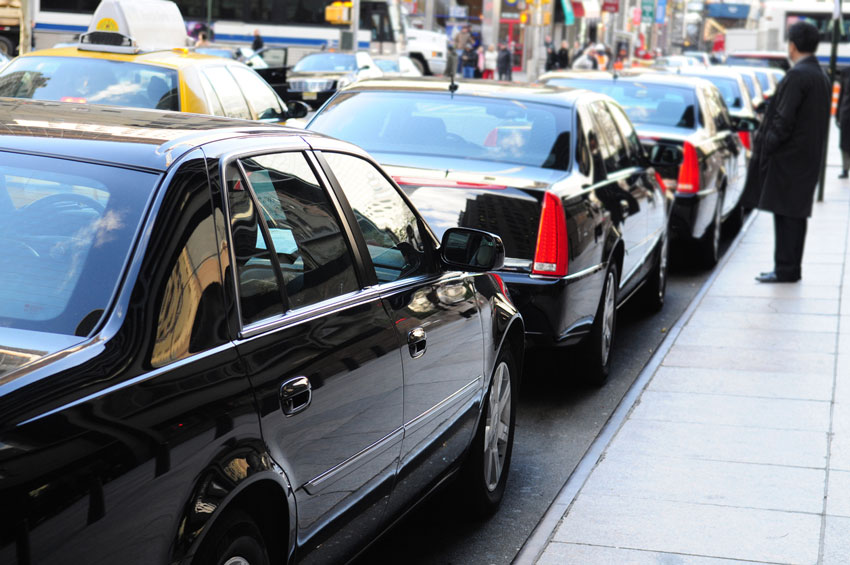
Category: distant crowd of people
<point>470,61</point>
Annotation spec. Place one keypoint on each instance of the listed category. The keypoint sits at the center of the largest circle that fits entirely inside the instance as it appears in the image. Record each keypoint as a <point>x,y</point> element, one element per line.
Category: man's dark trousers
<point>790,236</point>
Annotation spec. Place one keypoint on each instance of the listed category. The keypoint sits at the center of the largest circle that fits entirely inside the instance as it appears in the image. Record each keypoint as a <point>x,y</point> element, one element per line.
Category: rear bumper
<point>556,311</point>
<point>692,214</point>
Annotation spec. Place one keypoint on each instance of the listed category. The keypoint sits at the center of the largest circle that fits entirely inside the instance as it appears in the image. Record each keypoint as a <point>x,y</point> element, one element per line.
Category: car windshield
<point>388,65</point>
<point>645,103</point>
<point>327,62</point>
<point>66,228</point>
<point>91,81</point>
<point>730,89</point>
<point>465,127</point>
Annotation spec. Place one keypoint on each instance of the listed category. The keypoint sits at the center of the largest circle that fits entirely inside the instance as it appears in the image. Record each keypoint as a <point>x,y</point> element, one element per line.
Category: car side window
<point>723,121</point>
<point>232,101</point>
<point>632,142</point>
<point>613,149</point>
<point>582,151</point>
<point>212,98</point>
<point>303,233</point>
<point>389,226</point>
<point>259,286</point>
<point>260,96</point>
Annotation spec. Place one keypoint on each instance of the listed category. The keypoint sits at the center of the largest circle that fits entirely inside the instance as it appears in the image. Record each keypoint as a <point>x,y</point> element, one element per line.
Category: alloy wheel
<point>662,269</point>
<point>237,560</point>
<point>715,236</point>
<point>498,426</point>
<point>608,317</point>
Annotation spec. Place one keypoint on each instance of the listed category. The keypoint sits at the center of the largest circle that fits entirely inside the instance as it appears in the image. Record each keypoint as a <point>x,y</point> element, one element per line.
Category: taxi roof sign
<point>131,26</point>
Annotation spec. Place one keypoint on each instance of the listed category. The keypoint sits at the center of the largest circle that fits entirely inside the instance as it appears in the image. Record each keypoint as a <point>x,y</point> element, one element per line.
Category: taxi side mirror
<point>297,109</point>
<point>744,124</point>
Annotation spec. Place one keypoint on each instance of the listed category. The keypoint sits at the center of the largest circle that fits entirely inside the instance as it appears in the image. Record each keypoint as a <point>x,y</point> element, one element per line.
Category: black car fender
<point>502,324</point>
<point>241,476</point>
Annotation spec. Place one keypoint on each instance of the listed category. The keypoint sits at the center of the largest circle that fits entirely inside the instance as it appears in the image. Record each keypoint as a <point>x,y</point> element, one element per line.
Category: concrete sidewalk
<point>738,449</point>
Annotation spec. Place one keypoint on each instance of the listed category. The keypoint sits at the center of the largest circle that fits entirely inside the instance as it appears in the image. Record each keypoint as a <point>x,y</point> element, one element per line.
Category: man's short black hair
<point>804,36</point>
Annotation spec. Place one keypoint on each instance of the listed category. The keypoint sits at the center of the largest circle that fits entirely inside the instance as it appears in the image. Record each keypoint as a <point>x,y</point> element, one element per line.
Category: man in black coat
<point>842,118</point>
<point>504,65</point>
<point>789,147</point>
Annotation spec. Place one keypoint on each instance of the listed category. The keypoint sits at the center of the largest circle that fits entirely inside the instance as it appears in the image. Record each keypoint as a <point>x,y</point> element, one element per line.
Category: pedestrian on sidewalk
<point>789,147</point>
<point>842,120</point>
<point>468,61</point>
<point>503,63</point>
<point>491,58</point>
<point>257,44</point>
<point>564,55</point>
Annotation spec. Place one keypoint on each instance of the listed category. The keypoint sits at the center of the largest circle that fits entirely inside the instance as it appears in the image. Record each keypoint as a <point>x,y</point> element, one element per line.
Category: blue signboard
<point>569,17</point>
<point>729,11</point>
<point>661,12</point>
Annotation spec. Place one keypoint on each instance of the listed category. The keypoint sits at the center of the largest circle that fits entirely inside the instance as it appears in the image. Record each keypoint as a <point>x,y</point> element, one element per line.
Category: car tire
<point>709,245</point>
<point>234,539</point>
<point>597,350</point>
<point>7,47</point>
<point>735,221</point>
<point>485,471</point>
<point>656,282</point>
<point>420,65</point>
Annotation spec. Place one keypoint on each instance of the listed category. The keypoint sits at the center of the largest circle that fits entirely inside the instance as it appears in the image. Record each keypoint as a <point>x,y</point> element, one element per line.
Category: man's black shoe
<point>843,175</point>
<point>772,277</point>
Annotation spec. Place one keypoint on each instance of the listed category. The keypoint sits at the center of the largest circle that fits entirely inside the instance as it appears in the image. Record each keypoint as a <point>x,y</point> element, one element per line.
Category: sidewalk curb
<point>542,533</point>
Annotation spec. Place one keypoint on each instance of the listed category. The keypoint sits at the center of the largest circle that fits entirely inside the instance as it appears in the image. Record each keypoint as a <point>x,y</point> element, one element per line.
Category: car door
<point>437,320</point>
<point>624,196</point>
<point>736,156</point>
<point>722,162</point>
<point>655,210</point>
<point>265,104</point>
<point>321,352</point>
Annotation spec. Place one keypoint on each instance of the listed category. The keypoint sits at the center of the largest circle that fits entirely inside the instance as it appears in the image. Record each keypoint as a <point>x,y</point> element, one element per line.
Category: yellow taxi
<point>135,54</point>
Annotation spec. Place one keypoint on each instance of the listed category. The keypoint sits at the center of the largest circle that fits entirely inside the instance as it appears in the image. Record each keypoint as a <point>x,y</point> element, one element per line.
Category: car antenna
<point>452,84</point>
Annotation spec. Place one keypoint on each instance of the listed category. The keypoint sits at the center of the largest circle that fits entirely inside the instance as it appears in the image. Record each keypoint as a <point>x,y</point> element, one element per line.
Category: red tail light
<point>745,139</point>
<point>689,171</point>
<point>550,257</point>
<point>660,182</point>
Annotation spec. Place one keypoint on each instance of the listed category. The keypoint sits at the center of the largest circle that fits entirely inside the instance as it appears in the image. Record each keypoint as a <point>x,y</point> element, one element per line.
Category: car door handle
<point>416,342</point>
<point>295,395</point>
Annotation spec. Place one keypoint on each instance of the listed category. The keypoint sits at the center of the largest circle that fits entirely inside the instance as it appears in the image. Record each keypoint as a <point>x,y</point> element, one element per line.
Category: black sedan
<point>316,77</point>
<point>684,124</point>
<point>560,174</point>
<point>224,343</point>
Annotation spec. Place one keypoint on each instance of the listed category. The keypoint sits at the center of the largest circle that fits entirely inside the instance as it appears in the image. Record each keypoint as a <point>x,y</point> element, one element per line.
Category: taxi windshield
<point>331,62</point>
<point>460,127</point>
<point>91,81</point>
<point>66,229</point>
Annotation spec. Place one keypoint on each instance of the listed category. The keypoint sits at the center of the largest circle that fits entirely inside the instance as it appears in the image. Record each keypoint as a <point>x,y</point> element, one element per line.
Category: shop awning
<point>589,9</point>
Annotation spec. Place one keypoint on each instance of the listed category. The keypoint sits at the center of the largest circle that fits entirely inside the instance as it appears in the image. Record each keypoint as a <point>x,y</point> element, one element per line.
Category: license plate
<point>310,95</point>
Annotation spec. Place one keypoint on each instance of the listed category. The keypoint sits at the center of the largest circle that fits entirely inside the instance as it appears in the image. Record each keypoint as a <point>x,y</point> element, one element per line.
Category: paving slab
<point>577,554</point>
<point>722,443</point>
<point>838,494</point>
<point>749,359</point>
<point>698,529</point>
<point>797,323</point>
<point>771,413</point>
<point>773,339</point>
<point>722,483</point>
<point>812,386</point>
<point>772,304</point>
<point>836,545</point>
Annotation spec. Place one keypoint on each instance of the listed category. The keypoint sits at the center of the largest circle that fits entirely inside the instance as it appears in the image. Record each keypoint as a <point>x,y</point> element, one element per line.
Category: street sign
<point>569,17</point>
<point>661,13</point>
<point>647,10</point>
<point>611,6</point>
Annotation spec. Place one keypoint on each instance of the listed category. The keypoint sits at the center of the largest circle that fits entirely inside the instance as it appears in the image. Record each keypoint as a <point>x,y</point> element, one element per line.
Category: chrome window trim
<point>574,276</point>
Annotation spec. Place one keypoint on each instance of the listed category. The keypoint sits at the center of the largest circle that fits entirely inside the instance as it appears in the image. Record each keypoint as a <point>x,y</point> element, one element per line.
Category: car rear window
<point>730,90</point>
<point>764,80</point>
<point>66,229</point>
<point>645,103</point>
<point>91,81</point>
<point>459,126</point>
<point>327,62</point>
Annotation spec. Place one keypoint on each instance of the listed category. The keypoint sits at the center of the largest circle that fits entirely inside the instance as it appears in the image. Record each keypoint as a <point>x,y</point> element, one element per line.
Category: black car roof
<point>143,139</point>
<point>490,89</point>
